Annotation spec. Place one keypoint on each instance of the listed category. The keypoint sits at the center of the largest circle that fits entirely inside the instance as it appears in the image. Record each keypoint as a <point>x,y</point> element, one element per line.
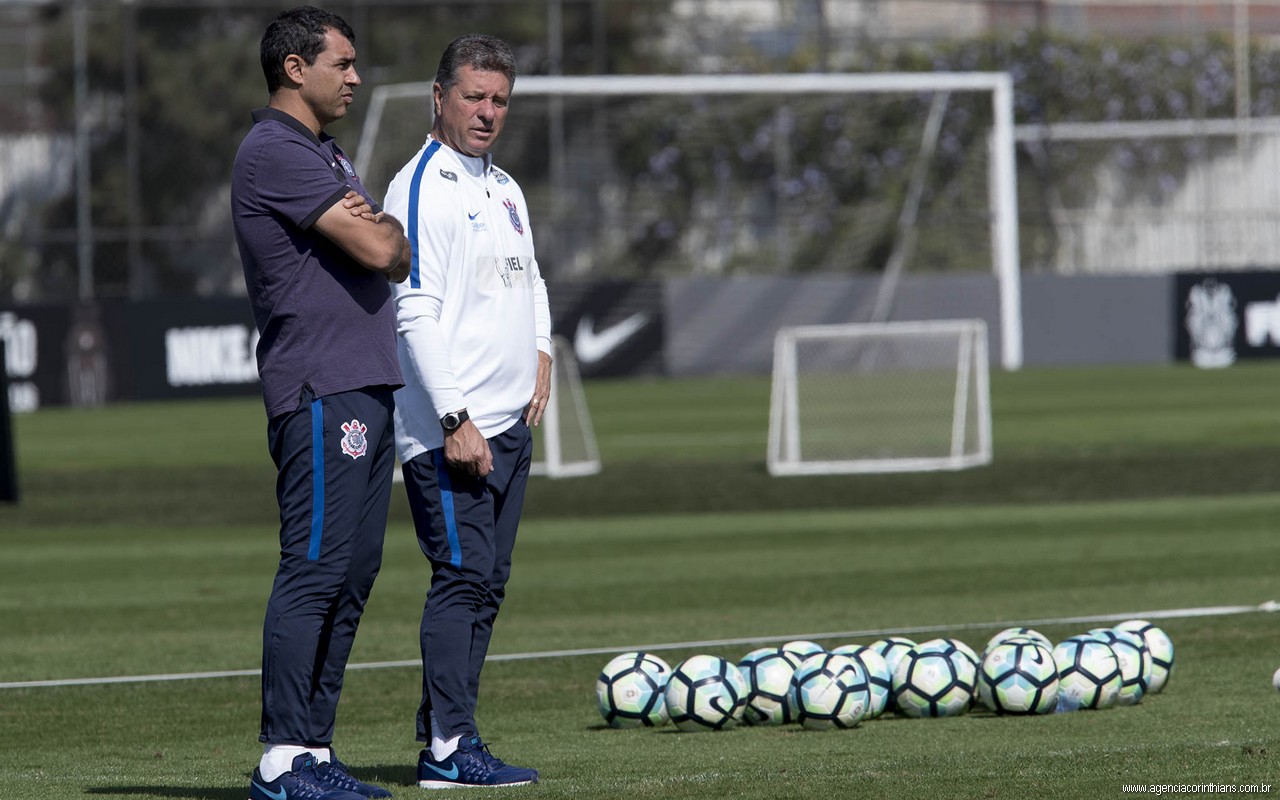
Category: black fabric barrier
<point>8,466</point>
<point>118,350</point>
<point>1222,317</point>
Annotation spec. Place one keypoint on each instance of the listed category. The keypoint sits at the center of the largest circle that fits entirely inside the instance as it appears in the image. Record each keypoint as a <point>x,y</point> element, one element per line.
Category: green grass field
<point>145,543</point>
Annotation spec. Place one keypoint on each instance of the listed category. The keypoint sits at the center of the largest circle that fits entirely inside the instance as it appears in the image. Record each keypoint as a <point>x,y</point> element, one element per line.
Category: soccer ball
<point>1014,633</point>
<point>952,648</point>
<point>932,684</point>
<point>1159,645</point>
<point>1088,673</point>
<point>706,693</point>
<point>802,649</point>
<point>892,648</point>
<point>1275,679</point>
<point>829,691</point>
<point>1018,678</point>
<point>879,678</point>
<point>767,672</point>
<point>630,690</point>
<point>1135,662</point>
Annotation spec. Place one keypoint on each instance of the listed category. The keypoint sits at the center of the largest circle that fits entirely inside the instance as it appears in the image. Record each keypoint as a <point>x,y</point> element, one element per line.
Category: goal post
<point>722,174</point>
<point>564,445</point>
<point>881,397</point>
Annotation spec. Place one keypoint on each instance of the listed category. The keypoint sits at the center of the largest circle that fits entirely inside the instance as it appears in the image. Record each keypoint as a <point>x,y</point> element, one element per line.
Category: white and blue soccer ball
<point>1160,648</point>
<point>829,691</point>
<point>950,647</point>
<point>1018,677</point>
<point>802,649</point>
<point>1135,663</point>
<point>1020,634</point>
<point>931,683</point>
<point>631,690</point>
<point>767,672</point>
<point>892,649</point>
<point>1088,674</point>
<point>706,693</point>
<point>879,677</point>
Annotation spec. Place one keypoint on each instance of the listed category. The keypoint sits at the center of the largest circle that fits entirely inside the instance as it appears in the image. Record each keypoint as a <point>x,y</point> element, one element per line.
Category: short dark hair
<point>478,51</point>
<point>297,32</point>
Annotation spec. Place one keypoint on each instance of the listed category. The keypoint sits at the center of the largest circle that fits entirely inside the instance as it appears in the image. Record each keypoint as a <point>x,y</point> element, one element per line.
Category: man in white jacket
<point>475,349</point>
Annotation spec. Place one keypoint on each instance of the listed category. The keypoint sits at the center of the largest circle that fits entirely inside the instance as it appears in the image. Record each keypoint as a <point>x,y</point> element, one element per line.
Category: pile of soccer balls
<point>1019,672</point>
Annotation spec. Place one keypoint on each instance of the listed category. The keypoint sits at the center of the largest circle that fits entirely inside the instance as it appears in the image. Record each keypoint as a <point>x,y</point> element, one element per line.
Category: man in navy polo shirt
<point>317,254</point>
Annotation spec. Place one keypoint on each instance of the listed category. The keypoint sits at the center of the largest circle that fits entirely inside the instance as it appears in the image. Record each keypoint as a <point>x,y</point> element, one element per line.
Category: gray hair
<point>478,51</point>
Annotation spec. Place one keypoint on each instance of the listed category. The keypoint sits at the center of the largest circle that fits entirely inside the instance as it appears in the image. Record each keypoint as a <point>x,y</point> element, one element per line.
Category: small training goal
<point>880,397</point>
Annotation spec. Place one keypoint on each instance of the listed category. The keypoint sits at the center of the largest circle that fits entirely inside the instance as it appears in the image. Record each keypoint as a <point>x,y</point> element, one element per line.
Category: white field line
<point>1169,613</point>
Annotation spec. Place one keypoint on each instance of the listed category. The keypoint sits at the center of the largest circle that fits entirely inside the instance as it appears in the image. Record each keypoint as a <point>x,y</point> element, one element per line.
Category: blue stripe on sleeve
<point>415,279</point>
<point>446,507</point>
<point>317,479</point>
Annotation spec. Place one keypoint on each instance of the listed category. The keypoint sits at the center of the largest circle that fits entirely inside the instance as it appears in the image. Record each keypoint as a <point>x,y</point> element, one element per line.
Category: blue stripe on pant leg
<point>446,507</point>
<point>317,479</point>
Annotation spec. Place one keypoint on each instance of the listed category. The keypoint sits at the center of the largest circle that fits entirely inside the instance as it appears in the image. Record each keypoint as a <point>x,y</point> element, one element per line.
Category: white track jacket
<point>473,313</point>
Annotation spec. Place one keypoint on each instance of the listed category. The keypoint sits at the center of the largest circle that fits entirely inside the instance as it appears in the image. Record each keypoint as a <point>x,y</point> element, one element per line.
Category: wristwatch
<point>453,420</point>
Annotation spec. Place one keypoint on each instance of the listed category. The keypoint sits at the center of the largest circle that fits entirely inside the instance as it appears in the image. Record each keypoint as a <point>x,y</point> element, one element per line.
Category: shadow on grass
<point>195,792</point>
<point>398,778</point>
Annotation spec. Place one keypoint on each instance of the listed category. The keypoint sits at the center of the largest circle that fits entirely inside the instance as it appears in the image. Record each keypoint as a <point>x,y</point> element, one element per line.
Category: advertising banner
<point>35,338</point>
<point>8,465</point>
<point>1222,317</point>
<point>616,327</point>
<point>185,348</point>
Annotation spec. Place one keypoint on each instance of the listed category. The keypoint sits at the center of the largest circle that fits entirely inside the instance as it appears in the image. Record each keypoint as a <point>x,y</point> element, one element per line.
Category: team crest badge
<point>346,165</point>
<point>515,216</point>
<point>354,442</point>
<point>1212,322</point>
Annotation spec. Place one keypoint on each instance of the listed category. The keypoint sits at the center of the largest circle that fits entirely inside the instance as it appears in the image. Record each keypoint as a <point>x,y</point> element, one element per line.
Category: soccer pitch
<point>146,541</point>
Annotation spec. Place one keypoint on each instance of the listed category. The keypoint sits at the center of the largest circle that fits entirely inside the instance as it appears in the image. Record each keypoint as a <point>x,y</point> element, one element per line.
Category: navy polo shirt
<point>324,321</point>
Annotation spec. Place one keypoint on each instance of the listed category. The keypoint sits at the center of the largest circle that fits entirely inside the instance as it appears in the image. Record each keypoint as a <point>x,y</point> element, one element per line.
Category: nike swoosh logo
<point>592,345</point>
<point>451,773</point>
<point>471,216</point>
<point>278,794</point>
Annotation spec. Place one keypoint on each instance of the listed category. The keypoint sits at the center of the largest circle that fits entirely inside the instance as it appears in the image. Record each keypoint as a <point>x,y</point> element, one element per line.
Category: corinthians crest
<point>354,442</point>
<point>1212,323</point>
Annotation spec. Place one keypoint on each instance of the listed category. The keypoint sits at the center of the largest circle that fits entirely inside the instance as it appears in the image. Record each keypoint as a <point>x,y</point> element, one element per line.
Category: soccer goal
<point>564,445</point>
<point>638,175</point>
<point>886,397</point>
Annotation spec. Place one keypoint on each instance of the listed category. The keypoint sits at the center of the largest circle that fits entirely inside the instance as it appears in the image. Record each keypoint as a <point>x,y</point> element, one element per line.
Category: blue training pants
<point>334,458</point>
<point>467,529</point>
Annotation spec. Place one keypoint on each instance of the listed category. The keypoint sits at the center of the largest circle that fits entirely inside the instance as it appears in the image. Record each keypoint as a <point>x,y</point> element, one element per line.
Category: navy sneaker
<point>303,783</point>
<point>336,775</point>
<point>470,765</point>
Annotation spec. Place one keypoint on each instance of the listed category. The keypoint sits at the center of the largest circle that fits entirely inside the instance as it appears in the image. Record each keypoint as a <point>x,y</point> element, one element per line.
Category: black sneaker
<point>470,765</point>
<point>336,775</point>
<point>303,783</point>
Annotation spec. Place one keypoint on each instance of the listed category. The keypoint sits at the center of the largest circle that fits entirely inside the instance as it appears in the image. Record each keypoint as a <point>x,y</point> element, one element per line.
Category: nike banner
<point>615,326</point>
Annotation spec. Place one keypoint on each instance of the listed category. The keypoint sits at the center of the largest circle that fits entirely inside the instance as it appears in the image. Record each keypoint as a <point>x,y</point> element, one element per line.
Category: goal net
<point>889,397</point>
<point>652,176</point>
<point>564,445</point>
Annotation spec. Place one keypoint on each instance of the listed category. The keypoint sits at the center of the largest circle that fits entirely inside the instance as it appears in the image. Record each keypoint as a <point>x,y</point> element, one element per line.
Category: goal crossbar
<point>1003,178</point>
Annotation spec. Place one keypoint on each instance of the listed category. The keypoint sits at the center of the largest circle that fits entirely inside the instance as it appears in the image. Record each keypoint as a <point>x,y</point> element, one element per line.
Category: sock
<point>323,754</point>
<point>277,759</point>
<point>442,748</point>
